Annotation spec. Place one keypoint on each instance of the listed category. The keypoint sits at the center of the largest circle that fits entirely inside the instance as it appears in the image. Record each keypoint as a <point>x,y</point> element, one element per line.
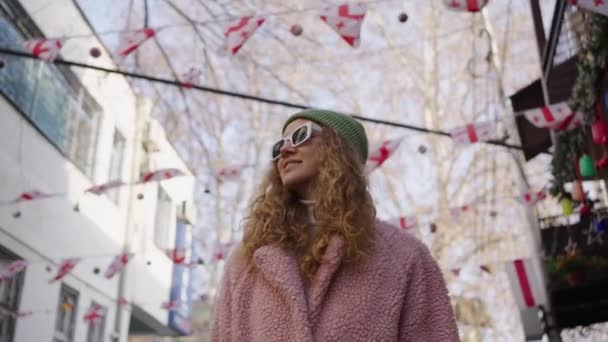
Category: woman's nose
<point>286,148</point>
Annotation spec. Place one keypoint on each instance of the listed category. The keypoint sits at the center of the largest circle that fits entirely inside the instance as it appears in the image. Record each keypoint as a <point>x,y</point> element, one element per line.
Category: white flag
<point>346,20</point>
<point>549,116</point>
<point>45,49</point>
<point>238,32</point>
<point>473,133</point>
<point>380,153</point>
<point>130,41</point>
<point>598,6</point>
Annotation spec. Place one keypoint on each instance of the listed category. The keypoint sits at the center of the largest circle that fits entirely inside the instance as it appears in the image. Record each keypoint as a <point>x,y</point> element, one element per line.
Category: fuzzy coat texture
<point>397,294</point>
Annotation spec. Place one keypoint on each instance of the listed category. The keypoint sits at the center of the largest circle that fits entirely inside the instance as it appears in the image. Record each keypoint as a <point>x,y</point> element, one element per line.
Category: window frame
<point>70,324</point>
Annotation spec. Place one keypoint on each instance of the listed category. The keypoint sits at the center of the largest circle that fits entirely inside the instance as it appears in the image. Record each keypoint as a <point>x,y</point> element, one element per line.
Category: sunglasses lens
<point>276,149</point>
<point>300,135</point>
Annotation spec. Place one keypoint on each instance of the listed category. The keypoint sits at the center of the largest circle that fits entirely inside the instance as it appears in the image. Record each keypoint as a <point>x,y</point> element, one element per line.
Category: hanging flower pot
<point>586,166</point>
<point>599,132</point>
<point>567,206</point>
<point>577,191</point>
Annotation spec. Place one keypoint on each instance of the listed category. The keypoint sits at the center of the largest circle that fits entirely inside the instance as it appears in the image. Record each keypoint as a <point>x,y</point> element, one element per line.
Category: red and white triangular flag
<point>380,153</point>
<point>94,314</point>
<point>119,262</point>
<point>456,212</point>
<point>346,20</point>
<point>531,198</point>
<point>7,271</point>
<point>191,77</point>
<point>526,283</point>
<point>178,255</point>
<point>406,223</point>
<point>597,6</point>
<point>572,121</point>
<point>465,5</point>
<point>45,49</point>
<point>32,195</point>
<point>21,314</point>
<point>231,172</point>
<point>160,175</point>
<point>171,305</point>
<point>238,32</point>
<point>549,116</point>
<point>65,267</point>
<point>473,133</point>
<point>102,188</point>
<point>130,41</point>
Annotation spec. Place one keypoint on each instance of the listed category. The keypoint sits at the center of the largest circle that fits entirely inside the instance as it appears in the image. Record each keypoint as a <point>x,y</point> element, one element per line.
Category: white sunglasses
<point>297,137</point>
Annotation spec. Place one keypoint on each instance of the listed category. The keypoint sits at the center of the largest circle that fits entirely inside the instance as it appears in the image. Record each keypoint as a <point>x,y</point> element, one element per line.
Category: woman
<point>314,264</point>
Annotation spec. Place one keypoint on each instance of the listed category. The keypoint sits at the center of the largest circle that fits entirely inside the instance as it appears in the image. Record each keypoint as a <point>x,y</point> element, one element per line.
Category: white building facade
<point>62,131</point>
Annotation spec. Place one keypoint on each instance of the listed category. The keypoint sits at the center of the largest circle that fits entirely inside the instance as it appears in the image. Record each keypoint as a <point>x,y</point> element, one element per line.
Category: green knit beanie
<point>344,125</point>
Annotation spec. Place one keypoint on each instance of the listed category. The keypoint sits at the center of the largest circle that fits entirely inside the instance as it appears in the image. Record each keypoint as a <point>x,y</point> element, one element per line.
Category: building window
<point>96,326</point>
<point>10,294</point>
<point>116,164</point>
<point>50,96</point>
<point>66,315</point>
<point>164,221</point>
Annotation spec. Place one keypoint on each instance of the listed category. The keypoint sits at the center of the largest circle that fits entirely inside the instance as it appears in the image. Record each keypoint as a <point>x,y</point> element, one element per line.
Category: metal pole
<point>523,184</point>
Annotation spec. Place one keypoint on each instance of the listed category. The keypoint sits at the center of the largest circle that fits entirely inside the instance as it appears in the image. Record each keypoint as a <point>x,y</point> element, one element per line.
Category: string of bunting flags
<point>148,177</point>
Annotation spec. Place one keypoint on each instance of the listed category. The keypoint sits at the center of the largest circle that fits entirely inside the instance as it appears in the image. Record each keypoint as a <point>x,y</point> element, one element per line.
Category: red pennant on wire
<point>178,255</point>
<point>130,41</point>
<point>531,198</point>
<point>231,172</point>
<point>238,32</point>
<point>191,77</point>
<point>44,49</point>
<point>7,271</point>
<point>33,195</point>
<point>94,314</point>
<point>346,20</point>
<point>171,305</point>
<point>119,262</point>
<point>162,174</point>
<point>65,268</point>
<point>102,188</point>
<point>465,5</point>
<point>473,133</point>
<point>379,154</point>
<point>549,116</point>
<point>597,6</point>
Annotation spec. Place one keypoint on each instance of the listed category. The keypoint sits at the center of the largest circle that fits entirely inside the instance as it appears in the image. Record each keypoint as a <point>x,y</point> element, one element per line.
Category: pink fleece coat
<point>397,294</point>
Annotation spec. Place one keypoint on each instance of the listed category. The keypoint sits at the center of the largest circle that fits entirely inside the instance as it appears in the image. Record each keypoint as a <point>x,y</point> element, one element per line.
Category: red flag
<point>346,20</point>
<point>130,41</point>
<point>21,314</point>
<point>117,264</point>
<point>171,305</point>
<point>381,153</point>
<point>178,255</point>
<point>549,116</point>
<point>159,175</point>
<point>231,172</point>
<point>238,32</point>
<point>45,49</point>
<point>531,197</point>
<point>191,77</point>
<point>65,267</point>
<point>101,188</point>
<point>455,212</point>
<point>407,222</point>
<point>598,6</point>
<point>122,301</point>
<point>95,313</point>
<point>473,133</point>
<point>32,195</point>
<point>7,271</point>
<point>465,5</point>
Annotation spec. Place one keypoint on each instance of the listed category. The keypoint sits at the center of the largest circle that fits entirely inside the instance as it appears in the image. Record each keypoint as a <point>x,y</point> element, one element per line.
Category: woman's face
<point>297,166</point>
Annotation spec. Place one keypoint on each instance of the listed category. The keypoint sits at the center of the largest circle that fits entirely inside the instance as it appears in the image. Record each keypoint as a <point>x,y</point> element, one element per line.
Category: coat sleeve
<point>427,312</point>
<point>221,327</point>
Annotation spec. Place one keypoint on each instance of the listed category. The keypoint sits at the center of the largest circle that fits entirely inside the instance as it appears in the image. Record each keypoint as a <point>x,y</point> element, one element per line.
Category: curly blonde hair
<point>342,206</point>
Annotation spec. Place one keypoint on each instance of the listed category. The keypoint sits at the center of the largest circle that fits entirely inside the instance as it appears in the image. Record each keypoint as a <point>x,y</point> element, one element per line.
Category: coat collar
<point>280,269</point>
